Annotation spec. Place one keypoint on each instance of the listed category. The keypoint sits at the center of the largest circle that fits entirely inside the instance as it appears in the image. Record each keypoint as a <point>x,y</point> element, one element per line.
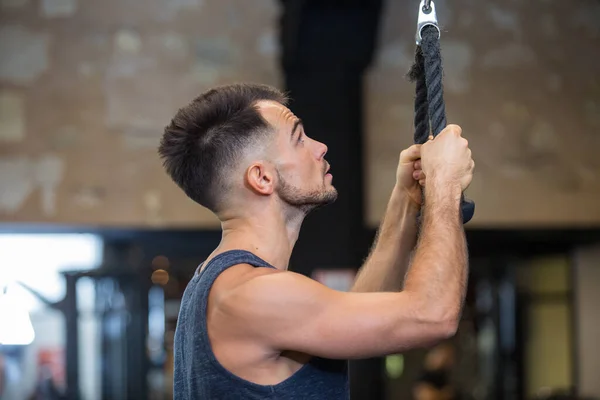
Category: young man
<point>250,329</point>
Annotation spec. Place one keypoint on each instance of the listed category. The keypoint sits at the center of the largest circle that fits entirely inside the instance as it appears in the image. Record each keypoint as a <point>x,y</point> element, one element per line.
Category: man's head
<point>242,142</point>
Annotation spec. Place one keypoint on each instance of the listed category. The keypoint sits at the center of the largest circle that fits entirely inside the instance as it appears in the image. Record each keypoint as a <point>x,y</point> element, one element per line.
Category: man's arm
<point>385,268</point>
<point>442,244</point>
<point>287,311</point>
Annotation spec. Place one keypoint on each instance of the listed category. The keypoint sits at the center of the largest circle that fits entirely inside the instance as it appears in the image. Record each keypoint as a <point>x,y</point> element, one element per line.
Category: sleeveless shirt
<point>199,375</point>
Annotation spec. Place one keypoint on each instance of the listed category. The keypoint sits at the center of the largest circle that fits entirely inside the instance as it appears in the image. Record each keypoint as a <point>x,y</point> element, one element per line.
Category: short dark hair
<point>210,134</point>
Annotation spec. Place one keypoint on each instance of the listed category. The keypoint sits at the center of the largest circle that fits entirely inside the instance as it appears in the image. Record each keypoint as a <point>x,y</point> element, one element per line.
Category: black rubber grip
<point>467,208</point>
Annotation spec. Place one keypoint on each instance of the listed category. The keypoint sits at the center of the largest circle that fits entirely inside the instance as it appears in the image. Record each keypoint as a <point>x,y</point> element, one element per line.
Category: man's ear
<point>260,178</point>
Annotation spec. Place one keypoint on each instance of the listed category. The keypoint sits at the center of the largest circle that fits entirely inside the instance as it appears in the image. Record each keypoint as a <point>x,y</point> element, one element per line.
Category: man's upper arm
<point>288,311</point>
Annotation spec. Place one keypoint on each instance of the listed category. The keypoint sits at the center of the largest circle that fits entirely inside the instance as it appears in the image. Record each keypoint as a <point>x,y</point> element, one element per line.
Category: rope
<point>427,72</point>
<point>430,109</point>
<point>417,75</point>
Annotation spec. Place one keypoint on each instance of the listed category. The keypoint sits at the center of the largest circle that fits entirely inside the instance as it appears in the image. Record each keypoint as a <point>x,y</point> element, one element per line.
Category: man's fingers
<point>418,175</point>
<point>418,164</point>
<point>413,153</point>
<point>454,129</point>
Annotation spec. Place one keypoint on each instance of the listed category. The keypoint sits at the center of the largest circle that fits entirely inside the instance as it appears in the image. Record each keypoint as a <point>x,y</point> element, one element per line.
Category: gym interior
<point>97,244</point>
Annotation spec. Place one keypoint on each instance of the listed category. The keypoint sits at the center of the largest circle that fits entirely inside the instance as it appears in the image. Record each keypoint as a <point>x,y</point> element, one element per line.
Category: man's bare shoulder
<point>242,290</point>
<point>240,278</point>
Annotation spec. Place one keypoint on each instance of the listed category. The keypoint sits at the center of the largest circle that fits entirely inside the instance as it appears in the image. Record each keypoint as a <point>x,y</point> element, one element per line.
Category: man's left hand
<point>409,176</point>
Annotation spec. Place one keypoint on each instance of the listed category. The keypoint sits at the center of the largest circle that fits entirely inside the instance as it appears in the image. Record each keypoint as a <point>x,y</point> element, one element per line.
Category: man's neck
<point>270,237</point>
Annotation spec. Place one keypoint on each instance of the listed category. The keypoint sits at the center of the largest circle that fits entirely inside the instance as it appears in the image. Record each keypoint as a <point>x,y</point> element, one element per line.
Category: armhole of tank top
<point>230,258</point>
<point>206,278</point>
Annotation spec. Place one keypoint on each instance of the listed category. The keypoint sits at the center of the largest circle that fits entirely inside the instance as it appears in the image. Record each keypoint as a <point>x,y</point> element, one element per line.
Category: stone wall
<point>521,78</point>
<point>86,88</point>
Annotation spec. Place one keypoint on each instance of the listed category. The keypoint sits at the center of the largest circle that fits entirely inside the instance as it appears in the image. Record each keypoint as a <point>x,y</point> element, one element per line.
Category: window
<point>36,262</point>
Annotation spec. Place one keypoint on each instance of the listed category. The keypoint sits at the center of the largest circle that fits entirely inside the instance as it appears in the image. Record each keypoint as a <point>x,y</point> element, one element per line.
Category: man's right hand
<point>446,159</point>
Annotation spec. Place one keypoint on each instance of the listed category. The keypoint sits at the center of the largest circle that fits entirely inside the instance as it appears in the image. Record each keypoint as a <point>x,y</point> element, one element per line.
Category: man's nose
<point>321,149</point>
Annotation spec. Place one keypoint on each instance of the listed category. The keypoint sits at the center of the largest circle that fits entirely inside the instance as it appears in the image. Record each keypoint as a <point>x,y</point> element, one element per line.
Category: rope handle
<point>427,72</point>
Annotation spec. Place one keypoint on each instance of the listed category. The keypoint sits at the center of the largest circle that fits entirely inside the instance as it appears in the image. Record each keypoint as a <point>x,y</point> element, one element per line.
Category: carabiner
<point>427,16</point>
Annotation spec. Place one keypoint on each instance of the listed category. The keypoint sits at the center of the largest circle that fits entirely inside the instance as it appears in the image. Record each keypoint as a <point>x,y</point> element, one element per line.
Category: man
<point>250,329</point>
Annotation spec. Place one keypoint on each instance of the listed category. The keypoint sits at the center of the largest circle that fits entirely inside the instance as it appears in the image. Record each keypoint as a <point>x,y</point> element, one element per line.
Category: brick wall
<point>86,88</point>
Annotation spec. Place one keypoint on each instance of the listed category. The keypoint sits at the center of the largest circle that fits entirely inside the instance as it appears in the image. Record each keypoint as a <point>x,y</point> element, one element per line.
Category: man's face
<point>303,178</point>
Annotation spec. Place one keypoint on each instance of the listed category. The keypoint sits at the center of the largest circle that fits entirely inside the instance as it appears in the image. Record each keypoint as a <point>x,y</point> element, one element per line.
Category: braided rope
<point>430,109</point>
<point>417,74</point>
<point>433,76</point>
<point>427,72</point>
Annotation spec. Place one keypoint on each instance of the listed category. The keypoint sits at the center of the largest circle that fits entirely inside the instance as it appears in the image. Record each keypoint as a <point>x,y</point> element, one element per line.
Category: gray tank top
<point>198,374</point>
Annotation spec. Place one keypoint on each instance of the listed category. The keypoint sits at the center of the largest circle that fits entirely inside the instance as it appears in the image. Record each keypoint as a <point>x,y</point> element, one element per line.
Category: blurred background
<point>97,244</point>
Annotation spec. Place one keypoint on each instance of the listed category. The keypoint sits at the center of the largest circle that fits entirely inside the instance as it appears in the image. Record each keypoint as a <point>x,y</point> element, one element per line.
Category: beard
<point>306,200</point>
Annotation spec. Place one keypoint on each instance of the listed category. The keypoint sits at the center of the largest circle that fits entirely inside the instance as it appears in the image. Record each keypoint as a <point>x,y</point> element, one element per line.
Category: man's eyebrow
<point>295,128</point>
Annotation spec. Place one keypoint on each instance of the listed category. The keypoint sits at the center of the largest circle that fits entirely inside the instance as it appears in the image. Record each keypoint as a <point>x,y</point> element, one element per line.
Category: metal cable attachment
<point>427,16</point>
<point>427,5</point>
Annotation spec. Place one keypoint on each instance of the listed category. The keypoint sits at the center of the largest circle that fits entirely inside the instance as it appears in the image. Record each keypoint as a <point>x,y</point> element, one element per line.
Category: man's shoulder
<point>241,274</point>
<point>239,280</point>
<point>245,278</point>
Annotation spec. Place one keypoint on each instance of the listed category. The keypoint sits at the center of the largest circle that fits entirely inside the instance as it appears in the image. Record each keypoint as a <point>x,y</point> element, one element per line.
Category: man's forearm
<point>439,270</point>
<point>386,266</point>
